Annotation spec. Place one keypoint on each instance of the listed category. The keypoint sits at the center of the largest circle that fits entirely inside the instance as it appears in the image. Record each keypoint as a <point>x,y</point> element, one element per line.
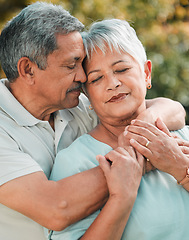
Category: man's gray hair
<point>116,34</point>
<point>32,33</point>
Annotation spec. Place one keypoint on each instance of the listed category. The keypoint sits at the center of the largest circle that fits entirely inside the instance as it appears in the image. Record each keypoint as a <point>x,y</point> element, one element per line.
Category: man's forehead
<point>73,38</point>
<point>70,48</point>
<point>70,42</point>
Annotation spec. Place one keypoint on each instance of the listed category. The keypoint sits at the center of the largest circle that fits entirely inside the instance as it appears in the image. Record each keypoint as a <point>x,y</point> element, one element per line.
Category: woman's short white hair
<point>116,34</point>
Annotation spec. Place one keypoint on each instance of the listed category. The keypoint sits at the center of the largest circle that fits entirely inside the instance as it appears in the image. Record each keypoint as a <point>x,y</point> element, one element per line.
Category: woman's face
<point>116,85</point>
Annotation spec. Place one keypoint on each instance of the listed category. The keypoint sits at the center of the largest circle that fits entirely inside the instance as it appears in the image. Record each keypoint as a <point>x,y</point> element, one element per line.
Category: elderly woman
<point>118,74</point>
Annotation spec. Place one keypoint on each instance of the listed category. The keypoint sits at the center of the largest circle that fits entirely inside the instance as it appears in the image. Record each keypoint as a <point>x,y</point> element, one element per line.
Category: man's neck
<point>51,120</point>
<point>32,103</point>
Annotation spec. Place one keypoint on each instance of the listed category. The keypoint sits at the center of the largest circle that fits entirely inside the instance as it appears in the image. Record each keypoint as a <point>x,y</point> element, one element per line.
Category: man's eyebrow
<point>72,60</point>
<point>77,58</point>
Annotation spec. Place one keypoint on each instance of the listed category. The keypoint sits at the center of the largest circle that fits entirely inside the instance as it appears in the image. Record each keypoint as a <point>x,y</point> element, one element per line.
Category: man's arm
<point>171,112</point>
<point>56,205</point>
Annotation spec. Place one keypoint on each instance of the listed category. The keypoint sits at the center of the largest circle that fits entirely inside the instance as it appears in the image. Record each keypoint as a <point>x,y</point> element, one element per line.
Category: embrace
<point>72,164</point>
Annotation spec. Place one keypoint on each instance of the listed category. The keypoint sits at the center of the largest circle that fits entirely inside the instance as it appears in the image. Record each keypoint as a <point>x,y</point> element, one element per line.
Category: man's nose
<point>80,75</point>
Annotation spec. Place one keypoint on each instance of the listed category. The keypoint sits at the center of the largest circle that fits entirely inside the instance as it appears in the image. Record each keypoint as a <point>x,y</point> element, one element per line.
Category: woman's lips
<point>118,97</point>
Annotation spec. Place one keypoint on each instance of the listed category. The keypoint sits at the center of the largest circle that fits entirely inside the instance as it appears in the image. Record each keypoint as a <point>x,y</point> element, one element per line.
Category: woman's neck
<point>107,133</point>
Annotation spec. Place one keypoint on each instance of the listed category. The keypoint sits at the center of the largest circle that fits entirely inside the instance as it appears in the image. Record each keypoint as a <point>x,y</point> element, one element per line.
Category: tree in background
<point>162,26</point>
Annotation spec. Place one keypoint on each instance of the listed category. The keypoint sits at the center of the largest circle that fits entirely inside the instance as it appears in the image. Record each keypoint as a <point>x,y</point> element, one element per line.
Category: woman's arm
<point>171,112</point>
<point>123,178</point>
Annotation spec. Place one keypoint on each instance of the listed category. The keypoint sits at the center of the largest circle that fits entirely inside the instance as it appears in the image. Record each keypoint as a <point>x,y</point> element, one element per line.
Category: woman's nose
<point>113,83</point>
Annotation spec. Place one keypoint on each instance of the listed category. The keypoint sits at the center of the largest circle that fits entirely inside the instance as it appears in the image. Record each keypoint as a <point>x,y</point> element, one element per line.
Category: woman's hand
<point>124,142</point>
<point>124,173</point>
<point>158,146</point>
<point>184,145</point>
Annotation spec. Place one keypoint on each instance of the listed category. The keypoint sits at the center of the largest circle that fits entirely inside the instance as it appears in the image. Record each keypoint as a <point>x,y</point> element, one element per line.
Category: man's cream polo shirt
<point>29,145</point>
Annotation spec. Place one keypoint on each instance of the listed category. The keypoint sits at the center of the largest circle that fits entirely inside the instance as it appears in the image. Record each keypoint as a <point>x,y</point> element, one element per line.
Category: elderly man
<point>41,53</point>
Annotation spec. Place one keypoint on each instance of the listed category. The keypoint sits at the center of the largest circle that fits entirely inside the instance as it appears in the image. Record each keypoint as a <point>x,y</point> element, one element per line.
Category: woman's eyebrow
<point>97,70</point>
<point>114,63</point>
<point>118,62</point>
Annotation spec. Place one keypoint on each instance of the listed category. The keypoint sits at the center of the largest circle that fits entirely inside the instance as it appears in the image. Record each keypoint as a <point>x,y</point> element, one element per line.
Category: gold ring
<point>147,143</point>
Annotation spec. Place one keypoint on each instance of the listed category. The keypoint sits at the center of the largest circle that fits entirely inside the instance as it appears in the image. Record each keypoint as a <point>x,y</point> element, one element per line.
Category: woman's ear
<point>148,71</point>
<point>26,70</point>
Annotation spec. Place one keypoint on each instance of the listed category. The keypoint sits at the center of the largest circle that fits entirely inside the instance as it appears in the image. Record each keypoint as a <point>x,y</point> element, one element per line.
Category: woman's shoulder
<point>183,133</point>
<point>86,143</point>
<point>78,157</point>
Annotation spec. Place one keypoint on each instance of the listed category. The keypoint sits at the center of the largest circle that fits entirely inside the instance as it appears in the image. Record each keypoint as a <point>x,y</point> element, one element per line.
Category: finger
<point>141,149</point>
<point>181,142</point>
<point>174,135</point>
<point>144,163</point>
<point>103,163</point>
<point>127,150</point>
<point>132,152</point>
<point>143,124</point>
<point>161,126</point>
<point>122,140</point>
<point>140,139</point>
<point>120,150</point>
<point>141,132</point>
<point>185,149</point>
<point>116,155</point>
<point>140,159</point>
<point>149,166</point>
<point>153,129</point>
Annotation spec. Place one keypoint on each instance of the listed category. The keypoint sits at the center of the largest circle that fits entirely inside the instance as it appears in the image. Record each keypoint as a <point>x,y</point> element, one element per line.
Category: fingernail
<point>132,140</point>
<point>133,121</point>
<point>125,133</point>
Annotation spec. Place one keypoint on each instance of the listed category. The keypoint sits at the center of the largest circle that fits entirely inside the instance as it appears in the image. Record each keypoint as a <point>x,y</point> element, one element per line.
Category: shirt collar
<point>13,108</point>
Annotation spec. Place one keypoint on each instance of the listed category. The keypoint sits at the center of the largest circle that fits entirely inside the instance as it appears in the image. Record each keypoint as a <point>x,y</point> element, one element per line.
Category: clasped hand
<point>165,151</point>
<point>124,174</point>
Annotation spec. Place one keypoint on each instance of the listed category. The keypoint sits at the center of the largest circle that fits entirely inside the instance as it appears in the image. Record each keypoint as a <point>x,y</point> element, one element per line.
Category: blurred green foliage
<point>162,26</point>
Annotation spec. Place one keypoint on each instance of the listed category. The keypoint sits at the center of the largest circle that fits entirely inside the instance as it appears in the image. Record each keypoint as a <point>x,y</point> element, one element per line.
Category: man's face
<point>59,83</point>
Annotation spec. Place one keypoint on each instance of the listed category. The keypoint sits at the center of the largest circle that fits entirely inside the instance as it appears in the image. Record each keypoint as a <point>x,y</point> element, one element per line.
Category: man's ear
<point>26,70</point>
<point>148,72</point>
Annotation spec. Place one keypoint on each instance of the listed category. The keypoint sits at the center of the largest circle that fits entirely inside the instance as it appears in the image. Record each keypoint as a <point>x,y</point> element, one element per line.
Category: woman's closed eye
<point>96,79</point>
<point>122,70</point>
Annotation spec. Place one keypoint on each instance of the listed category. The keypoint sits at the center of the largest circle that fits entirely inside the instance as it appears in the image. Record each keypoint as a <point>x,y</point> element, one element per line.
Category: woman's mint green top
<point>160,212</point>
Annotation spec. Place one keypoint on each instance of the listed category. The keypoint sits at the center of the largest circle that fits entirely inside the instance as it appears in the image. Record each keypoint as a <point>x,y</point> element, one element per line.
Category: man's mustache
<point>78,86</point>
